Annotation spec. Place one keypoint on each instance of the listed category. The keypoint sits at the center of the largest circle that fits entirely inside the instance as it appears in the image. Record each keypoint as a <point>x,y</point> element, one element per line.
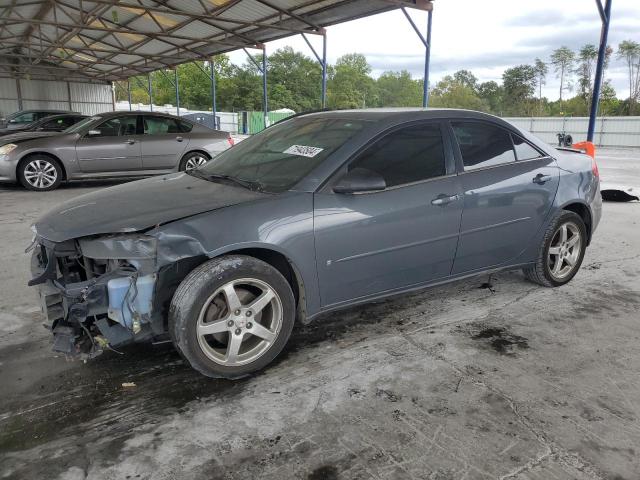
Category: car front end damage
<point>98,293</point>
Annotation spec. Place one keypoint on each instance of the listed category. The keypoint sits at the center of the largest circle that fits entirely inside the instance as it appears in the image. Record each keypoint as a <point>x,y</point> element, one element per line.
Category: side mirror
<point>93,133</point>
<point>360,180</point>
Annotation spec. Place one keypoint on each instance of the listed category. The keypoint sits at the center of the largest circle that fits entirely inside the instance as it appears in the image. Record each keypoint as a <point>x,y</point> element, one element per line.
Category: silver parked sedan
<point>114,144</point>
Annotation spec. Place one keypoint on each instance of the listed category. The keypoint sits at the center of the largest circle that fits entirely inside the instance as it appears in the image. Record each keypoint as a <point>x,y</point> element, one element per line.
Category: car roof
<point>120,113</point>
<point>410,113</point>
<point>41,110</point>
<point>392,116</point>
<point>62,115</point>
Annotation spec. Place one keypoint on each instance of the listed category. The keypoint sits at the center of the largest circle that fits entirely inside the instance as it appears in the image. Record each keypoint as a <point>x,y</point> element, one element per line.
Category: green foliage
<point>629,51</point>
<point>350,85</point>
<point>398,89</point>
<point>563,60</point>
<point>294,81</point>
<point>457,92</point>
<point>519,85</point>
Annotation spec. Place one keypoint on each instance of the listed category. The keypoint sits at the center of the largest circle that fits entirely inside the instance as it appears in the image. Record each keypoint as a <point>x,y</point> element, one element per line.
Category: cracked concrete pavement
<point>485,378</point>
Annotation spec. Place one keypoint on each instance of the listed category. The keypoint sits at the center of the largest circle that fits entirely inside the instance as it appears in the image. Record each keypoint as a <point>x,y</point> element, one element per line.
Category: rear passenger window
<point>185,127</point>
<point>118,127</point>
<point>483,145</point>
<point>160,125</point>
<point>407,155</point>
<point>524,151</point>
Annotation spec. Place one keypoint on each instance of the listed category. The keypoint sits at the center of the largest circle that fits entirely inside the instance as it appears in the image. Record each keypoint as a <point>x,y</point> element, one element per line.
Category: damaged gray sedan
<point>317,213</point>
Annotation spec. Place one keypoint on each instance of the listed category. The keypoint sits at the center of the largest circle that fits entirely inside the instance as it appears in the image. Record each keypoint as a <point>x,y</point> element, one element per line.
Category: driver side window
<point>24,118</point>
<point>118,127</point>
<point>407,155</point>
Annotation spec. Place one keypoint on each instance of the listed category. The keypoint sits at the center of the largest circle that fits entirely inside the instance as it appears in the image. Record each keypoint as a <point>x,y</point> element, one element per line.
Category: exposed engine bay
<point>97,293</point>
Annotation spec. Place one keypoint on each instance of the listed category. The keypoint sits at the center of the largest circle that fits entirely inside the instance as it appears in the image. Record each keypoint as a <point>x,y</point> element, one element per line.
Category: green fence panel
<point>255,120</point>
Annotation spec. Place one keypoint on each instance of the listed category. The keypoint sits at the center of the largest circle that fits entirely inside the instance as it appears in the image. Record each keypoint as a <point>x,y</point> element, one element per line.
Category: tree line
<point>294,81</point>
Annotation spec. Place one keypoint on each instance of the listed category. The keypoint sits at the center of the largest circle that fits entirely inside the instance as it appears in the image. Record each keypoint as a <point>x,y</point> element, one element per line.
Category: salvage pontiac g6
<point>319,212</point>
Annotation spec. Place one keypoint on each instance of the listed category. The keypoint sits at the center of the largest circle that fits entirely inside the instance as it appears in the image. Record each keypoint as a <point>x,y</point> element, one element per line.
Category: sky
<point>482,36</point>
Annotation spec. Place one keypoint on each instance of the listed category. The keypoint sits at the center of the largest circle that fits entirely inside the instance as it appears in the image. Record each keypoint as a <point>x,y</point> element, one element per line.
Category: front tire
<point>231,316</point>
<point>561,252</point>
<point>40,173</point>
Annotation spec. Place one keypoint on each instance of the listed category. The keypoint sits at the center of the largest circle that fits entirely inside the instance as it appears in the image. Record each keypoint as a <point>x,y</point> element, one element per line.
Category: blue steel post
<point>264,86</point>
<point>213,93</point>
<point>426,41</point>
<point>324,68</point>
<point>427,59</point>
<point>129,92</point>
<point>175,76</point>
<point>150,92</point>
<point>605,15</point>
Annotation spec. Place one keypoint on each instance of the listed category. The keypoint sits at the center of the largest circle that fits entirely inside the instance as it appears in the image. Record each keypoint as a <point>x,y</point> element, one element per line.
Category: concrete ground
<point>486,378</point>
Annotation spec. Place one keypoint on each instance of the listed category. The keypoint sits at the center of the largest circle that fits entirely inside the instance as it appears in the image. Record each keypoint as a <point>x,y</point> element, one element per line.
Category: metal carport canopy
<point>111,40</point>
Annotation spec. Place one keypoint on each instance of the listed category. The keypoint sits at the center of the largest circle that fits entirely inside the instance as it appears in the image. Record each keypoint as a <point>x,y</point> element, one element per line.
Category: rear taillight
<point>231,141</point>
<point>594,168</point>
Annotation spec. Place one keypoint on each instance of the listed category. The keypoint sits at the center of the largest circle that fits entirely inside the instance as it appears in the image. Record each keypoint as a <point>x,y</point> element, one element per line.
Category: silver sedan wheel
<point>40,173</point>
<point>565,250</point>
<point>195,162</point>
<point>239,322</point>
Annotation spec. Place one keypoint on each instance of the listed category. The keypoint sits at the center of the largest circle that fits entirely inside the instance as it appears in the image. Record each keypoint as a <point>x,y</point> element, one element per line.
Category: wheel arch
<point>196,150</point>
<point>284,265</point>
<point>583,210</point>
<point>25,157</point>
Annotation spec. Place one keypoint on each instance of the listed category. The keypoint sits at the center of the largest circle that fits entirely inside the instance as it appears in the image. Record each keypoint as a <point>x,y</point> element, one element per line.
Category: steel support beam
<point>213,94</point>
<point>265,104</point>
<point>177,85</point>
<point>426,41</point>
<point>263,70</point>
<point>427,61</point>
<point>324,70</point>
<point>323,63</point>
<point>150,93</point>
<point>129,92</point>
<point>212,78</point>
<point>605,16</point>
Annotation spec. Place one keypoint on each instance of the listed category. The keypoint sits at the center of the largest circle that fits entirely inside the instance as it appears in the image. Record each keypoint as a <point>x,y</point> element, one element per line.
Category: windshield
<point>280,156</point>
<point>81,124</point>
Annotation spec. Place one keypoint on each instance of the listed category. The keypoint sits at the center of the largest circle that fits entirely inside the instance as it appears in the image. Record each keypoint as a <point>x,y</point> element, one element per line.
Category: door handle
<point>541,179</point>
<point>444,199</point>
<point>130,141</point>
<point>179,139</point>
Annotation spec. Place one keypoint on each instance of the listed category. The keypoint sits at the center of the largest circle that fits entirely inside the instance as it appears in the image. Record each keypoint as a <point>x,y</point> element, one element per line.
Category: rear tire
<point>193,160</point>
<point>561,252</point>
<point>231,316</point>
<point>40,173</point>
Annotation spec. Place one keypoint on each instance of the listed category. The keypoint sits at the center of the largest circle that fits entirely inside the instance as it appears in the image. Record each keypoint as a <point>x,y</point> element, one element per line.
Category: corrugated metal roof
<point>114,39</point>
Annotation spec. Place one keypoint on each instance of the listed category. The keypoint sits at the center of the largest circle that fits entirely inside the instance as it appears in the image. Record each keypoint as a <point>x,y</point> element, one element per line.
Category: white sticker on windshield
<point>303,150</point>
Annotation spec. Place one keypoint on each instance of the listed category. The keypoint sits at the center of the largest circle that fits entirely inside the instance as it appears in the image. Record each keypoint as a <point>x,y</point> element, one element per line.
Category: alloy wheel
<point>40,173</point>
<point>565,250</point>
<point>195,162</point>
<point>239,322</point>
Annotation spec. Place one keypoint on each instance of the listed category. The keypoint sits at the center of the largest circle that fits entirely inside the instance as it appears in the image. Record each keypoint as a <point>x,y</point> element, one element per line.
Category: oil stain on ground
<point>326,472</point>
<point>502,340</point>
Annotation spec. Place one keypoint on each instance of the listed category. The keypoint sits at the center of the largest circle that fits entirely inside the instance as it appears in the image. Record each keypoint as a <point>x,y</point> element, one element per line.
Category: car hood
<point>23,136</point>
<point>139,205</point>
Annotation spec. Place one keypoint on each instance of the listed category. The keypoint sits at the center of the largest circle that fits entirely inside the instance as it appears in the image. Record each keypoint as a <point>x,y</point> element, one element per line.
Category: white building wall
<point>8,96</point>
<point>23,94</point>
<point>609,132</point>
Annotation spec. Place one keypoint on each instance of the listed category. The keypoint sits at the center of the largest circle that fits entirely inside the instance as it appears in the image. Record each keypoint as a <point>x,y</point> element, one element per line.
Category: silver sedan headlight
<point>8,148</point>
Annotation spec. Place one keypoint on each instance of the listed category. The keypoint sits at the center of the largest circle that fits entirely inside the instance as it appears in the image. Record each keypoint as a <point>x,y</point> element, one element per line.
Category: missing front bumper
<point>88,310</point>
